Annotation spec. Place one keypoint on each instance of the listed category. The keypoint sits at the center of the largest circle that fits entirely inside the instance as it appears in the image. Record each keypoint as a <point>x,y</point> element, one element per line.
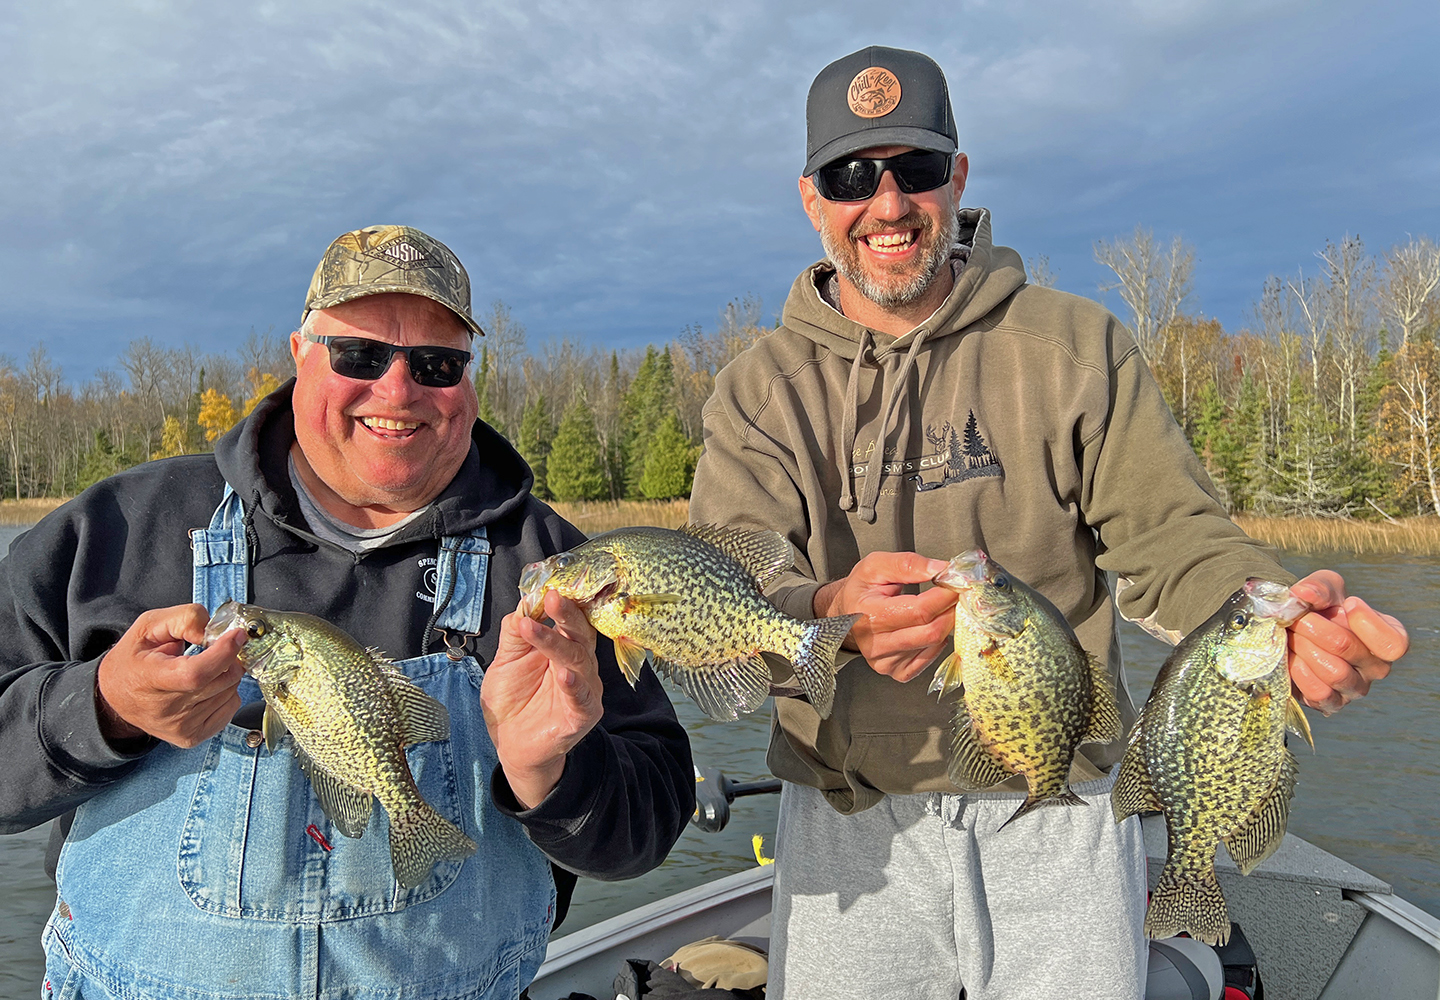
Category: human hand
<point>1342,645</point>
<point>146,683</point>
<point>901,633</point>
<point>541,695</point>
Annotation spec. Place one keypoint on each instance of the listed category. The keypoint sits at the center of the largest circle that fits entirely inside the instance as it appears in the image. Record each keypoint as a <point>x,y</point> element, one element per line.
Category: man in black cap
<point>920,400</point>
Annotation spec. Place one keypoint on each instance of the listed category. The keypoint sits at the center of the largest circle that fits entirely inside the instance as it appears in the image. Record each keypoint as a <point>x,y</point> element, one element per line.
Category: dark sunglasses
<point>855,178</point>
<point>362,358</point>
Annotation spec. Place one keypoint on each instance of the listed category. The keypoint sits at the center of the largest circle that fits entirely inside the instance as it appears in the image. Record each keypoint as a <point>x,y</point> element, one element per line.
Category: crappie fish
<point>351,713</point>
<point>1209,752</point>
<point>1030,693</point>
<point>690,600</point>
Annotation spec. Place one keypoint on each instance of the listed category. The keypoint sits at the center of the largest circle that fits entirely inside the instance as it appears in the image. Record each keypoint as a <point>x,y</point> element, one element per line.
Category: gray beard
<point>842,253</point>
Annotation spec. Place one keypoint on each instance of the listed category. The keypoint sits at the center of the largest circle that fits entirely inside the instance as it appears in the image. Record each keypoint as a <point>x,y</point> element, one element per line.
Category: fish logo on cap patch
<point>403,253</point>
<point>874,92</point>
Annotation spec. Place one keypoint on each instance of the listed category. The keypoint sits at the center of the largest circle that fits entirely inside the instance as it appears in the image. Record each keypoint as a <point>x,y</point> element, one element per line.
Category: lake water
<point>1370,793</point>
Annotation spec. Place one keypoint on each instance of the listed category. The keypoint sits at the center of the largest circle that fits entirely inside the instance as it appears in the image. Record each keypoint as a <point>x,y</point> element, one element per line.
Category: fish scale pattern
<point>1209,752</point>
<point>1030,693</point>
<point>692,600</point>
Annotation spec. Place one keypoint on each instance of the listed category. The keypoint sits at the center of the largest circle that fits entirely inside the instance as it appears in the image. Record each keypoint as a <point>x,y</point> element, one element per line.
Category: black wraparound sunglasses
<point>855,178</point>
<point>362,358</point>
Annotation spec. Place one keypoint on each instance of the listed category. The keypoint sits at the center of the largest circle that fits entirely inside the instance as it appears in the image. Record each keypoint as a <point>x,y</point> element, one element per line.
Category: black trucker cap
<point>877,97</point>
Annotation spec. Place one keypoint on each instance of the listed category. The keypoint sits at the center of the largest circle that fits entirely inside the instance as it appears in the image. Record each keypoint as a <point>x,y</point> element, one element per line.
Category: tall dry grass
<point>1413,536</point>
<point>28,511</point>
<point>595,517</point>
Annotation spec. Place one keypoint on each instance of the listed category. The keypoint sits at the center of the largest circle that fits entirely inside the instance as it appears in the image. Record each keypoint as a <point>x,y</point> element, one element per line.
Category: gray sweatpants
<point>924,894</point>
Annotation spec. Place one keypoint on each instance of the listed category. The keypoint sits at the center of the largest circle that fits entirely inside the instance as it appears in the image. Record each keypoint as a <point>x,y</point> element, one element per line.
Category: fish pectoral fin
<point>724,691</point>
<point>1104,710</point>
<point>422,718</point>
<point>1296,722</point>
<point>1132,791</point>
<point>948,676</point>
<point>348,808</point>
<point>971,766</point>
<point>272,727</point>
<point>647,602</point>
<point>1263,830</point>
<point>630,656</point>
<point>762,554</point>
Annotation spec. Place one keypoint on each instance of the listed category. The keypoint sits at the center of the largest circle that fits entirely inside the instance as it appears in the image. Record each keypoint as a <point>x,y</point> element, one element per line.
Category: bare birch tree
<point>1154,282</point>
<point>1410,278</point>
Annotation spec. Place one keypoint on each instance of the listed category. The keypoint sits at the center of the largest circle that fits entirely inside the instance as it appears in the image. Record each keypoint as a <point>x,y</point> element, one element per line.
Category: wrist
<point>532,784</point>
<point>113,727</point>
<point>827,599</point>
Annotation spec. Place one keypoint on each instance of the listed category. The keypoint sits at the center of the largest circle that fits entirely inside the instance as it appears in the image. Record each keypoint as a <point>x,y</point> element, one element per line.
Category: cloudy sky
<point>617,171</point>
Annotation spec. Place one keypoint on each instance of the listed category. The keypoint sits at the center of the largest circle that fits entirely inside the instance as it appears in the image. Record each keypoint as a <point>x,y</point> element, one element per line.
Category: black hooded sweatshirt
<point>77,580</point>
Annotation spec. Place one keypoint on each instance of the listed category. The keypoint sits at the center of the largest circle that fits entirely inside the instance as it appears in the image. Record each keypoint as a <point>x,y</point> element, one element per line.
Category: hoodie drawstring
<point>899,388</point>
<point>847,422</point>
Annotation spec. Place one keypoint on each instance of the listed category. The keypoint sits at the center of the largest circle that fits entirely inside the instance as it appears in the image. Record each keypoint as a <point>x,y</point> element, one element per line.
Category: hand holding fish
<point>1342,646</point>
<point>898,634</point>
<point>541,695</point>
<point>146,683</point>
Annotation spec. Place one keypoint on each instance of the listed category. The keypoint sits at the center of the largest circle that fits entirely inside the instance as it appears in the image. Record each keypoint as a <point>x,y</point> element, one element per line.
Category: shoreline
<point>1411,536</point>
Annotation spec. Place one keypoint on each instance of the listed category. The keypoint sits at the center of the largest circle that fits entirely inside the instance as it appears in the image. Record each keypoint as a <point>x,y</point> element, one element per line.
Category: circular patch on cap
<point>874,92</point>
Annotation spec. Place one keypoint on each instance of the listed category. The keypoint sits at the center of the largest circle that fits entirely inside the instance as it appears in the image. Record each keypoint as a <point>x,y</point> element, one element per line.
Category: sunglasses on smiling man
<point>855,178</point>
<point>362,358</point>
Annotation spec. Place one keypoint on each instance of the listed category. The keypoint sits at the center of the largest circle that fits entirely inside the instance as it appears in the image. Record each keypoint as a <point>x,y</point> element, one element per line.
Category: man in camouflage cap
<point>364,491</point>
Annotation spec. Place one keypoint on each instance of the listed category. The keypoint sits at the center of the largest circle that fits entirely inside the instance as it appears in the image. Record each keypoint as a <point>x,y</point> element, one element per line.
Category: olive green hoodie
<point>1016,419</point>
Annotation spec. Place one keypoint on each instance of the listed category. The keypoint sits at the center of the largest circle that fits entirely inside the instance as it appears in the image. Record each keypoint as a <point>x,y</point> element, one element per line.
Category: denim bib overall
<point>213,872</point>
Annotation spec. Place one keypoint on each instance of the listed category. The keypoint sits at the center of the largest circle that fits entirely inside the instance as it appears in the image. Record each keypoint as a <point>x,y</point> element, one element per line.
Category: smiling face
<point>372,452</point>
<point>891,250</point>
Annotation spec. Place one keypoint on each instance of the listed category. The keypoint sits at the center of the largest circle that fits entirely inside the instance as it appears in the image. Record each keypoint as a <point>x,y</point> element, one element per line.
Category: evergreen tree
<point>669,462</point>
<point>651,397</point>
<point>100,462</point>
<point>536,435</point>
<point>574,471</point>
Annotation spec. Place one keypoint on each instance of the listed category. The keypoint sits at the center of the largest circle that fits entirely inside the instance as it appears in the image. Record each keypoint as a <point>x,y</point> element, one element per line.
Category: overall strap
<point>221,556</point>
<point>460,586</point>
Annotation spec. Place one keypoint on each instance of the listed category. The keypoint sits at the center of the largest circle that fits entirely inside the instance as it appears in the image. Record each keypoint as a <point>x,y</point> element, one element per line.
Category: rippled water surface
<point>1370,793</point>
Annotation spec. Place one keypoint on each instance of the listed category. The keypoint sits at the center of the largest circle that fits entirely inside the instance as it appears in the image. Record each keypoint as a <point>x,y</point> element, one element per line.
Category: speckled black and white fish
<point>1030,693</point>
<point>691,600</point>
<point>1209,752</point>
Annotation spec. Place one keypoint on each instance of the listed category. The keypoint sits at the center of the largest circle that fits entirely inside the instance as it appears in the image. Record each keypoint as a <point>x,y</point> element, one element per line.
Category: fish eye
<point>564,560</point>
<point>255,630</point>
<point>1238,619</point>
<point>1003,582</point>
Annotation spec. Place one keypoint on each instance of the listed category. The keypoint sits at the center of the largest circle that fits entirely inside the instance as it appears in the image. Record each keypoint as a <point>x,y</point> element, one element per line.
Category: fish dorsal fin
<point>763,554</point>
<point>630,656</point>
<point>1104,710</point>
<point>724,692</point>
<point>348,808</point>
<point>273,728</point>
<point>1132,791</point>
<point>1296,722</point>
<point>971,767</point>
<point>422,718</point>
<point>1260,834</point>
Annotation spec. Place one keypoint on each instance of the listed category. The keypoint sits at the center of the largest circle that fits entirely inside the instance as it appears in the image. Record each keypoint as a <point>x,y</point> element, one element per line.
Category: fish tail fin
<point>1065,798</point>
<point>1183,902</point>
<point>421,837</point>
<point>814,659</point>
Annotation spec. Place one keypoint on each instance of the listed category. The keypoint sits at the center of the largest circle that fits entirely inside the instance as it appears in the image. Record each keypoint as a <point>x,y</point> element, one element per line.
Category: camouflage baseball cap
<point>380,259</point>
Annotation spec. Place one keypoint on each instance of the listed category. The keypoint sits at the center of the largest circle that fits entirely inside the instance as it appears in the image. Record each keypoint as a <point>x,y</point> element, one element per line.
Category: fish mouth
<point>226,617</point>
<point>965,571</point>
<point>1274,600</point>
<point>533,579</point>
